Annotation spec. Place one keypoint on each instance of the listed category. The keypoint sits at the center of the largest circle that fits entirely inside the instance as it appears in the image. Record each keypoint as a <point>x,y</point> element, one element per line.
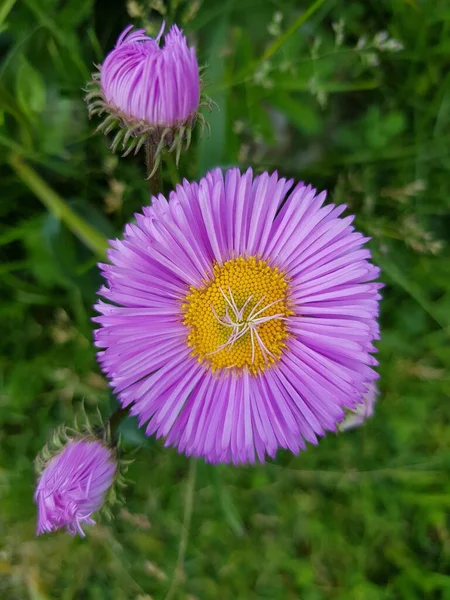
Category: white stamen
<point>242,333</point>
<point>266,307</point>
<point>235,308</point>
<point>263,347</point>
<point>253,344</point>
<point>219,319</point>
<point>270,318</point>
<point>244,306</point>
<point>240,326</point>
<point>227,300</point>
<point>255,307</point>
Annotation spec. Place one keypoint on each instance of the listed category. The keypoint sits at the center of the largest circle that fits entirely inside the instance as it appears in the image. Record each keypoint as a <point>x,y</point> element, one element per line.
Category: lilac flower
<point>148,91</point>
<point>74,485</point>
<point>361,412</point>
<point>240,316</point>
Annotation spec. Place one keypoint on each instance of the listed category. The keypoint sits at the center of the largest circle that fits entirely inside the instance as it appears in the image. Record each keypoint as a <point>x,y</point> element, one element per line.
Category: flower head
<point>361,412</point>
<point>148,91</point>
<point>240,316</point>
<point>74,485</point>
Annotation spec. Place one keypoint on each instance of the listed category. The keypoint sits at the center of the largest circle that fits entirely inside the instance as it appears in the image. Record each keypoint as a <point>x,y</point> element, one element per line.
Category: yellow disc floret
<point>238,318</point>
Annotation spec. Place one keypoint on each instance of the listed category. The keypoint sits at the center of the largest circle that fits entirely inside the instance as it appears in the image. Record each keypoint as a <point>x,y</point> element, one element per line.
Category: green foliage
<point>317,92</point>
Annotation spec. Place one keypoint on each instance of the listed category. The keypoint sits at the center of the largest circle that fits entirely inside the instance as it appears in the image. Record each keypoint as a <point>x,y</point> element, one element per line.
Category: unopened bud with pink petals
<point>74,484</point>
<point>149,91</point>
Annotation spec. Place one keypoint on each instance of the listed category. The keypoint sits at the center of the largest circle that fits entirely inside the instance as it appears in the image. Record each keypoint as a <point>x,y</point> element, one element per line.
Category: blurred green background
<point>351,96</point>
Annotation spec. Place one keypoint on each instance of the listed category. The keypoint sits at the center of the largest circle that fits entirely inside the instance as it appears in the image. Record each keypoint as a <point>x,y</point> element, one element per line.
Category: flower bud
<point>74,484</point>
<point>149,92</point>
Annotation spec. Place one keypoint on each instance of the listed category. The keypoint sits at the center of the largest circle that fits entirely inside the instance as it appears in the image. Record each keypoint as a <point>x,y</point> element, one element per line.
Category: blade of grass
<point>229,509</point>
<point>330,87</point>
<point>5,9</point>
<point>84,231</point>
<point>212,148</point>
<point>299,21</point>
<point>247,72</point>
<point>65,41</point>
<point>188,508</point>
<point>410,287</point>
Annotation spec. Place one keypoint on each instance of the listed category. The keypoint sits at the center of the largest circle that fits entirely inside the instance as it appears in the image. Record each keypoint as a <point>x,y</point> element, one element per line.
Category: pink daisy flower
<point>240,316</point>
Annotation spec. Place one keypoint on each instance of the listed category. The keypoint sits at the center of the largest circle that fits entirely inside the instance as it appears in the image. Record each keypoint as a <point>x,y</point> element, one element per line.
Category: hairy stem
<point>188,507</point>
<point>116,419</point>
<point>155,180</point>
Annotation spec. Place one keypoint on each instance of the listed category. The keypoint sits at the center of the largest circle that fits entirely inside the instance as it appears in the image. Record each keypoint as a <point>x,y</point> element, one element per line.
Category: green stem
<point>78,226</point>
<point>155,181</point>
<point>116,419</point>
<point>188,508</point>
<point>247,73</point>
<point>299,21</point>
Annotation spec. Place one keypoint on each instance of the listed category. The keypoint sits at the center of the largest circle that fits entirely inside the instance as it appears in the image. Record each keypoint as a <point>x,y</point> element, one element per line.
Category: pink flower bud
<point>160,86</point>
<point>150,91</point>
<point>74,485</point>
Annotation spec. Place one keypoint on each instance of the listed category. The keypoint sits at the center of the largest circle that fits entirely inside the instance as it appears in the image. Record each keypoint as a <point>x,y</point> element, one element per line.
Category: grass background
<point>305,88</point>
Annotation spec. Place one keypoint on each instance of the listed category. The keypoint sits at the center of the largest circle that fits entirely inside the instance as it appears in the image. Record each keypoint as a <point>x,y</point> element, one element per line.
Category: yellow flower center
<point>238,318</point>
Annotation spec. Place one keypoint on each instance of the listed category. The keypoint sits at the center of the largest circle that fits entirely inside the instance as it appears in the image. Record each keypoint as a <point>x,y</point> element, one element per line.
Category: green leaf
<point>134,435</point>
<point>227,504</point>
<point>30,88</point>
<point>5,9</point>
<point>297,110</point>
<point>212,147</point>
